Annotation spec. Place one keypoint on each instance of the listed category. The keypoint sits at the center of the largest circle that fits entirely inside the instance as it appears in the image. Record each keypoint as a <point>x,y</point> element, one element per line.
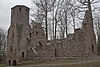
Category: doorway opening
<point>14,63</point>
<point>22,54</point>
<point>9,62</point>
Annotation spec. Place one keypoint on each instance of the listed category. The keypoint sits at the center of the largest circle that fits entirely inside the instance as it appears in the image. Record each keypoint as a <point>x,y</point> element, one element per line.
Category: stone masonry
<point>29,43</point>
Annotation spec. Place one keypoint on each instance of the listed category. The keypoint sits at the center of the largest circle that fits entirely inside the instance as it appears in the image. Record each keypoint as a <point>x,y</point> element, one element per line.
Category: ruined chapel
<point>29,43</point>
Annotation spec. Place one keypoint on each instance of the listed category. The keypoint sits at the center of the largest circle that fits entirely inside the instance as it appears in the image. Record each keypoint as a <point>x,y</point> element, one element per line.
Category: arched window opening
<point>42,34</point>
<point>30,35</point>
<point>92,48</point>
<point>26,9</point>
<point>33,32</point>
<point>11,48</point>
<point>36,33</point>
<point>14,63</point>
<point>55,52</point>
<point>84,25</point>
<point>39,45</point>
<point>22,54</point>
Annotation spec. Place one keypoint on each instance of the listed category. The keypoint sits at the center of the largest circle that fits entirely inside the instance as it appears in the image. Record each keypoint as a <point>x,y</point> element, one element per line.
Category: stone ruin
<point>26,43</point>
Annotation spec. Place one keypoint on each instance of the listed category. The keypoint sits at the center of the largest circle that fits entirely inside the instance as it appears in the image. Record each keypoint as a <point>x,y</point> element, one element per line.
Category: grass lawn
<point>65,64</point>
<point>92,64</point>
<point>2,65</point>
<point>87,64</point>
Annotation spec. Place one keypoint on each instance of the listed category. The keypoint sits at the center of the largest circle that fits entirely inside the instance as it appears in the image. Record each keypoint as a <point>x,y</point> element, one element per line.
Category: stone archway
<point>39,45</point>
<point>14,63</point>
<point>9,62</point>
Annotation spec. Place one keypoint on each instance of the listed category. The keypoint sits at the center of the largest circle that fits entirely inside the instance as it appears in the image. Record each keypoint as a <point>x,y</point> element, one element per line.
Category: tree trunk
<point>55,28</point>
<point>46,11</point>
<point>46,25</point>
<point>74,23</point>
<point>66,23</point>
<point>53,22</point>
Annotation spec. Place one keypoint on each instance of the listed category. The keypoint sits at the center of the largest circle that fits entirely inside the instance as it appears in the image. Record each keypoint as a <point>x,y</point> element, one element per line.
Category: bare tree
<point>60,14</point>
<point>59,9</point>
<point>3,43</point>
<point>67,9</point>
<point>97,28</point>
<point>57,15</point>
<point>37,15</point>
<point>88,4</point>
<point>45,6</point>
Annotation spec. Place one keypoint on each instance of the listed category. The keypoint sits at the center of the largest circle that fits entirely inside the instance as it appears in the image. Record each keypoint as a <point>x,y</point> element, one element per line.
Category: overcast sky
<point>5,10</point>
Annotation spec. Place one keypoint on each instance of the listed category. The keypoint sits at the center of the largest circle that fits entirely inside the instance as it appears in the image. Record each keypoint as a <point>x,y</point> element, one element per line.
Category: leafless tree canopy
<point>3,43</point>
<point>62,17</point>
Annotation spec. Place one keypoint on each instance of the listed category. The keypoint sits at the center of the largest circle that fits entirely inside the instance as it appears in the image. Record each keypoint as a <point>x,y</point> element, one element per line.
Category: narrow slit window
<point>30,35</point>
<point>36,33</point>
<point>10,48</point>
<point>22,54</point>
<point>92,48</point>
<point>19,9</point>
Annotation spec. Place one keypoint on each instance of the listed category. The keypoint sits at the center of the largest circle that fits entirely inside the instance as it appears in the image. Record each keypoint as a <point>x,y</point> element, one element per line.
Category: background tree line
<point>3,44</point>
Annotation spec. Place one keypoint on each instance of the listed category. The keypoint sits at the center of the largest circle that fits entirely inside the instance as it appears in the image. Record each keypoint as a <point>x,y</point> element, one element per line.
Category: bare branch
<point>84,2</point>
<point>95,2</point>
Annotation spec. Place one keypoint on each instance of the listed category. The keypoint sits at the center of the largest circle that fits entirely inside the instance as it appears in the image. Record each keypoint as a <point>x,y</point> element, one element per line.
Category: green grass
<point>66,63</point>
<point>89,64</point>
<point>92,64</point>
<point>2,65</point>
<point>49,62</point>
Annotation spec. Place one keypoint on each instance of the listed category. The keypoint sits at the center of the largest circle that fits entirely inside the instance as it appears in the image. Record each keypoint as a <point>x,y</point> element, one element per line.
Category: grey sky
<point>5,7</point>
